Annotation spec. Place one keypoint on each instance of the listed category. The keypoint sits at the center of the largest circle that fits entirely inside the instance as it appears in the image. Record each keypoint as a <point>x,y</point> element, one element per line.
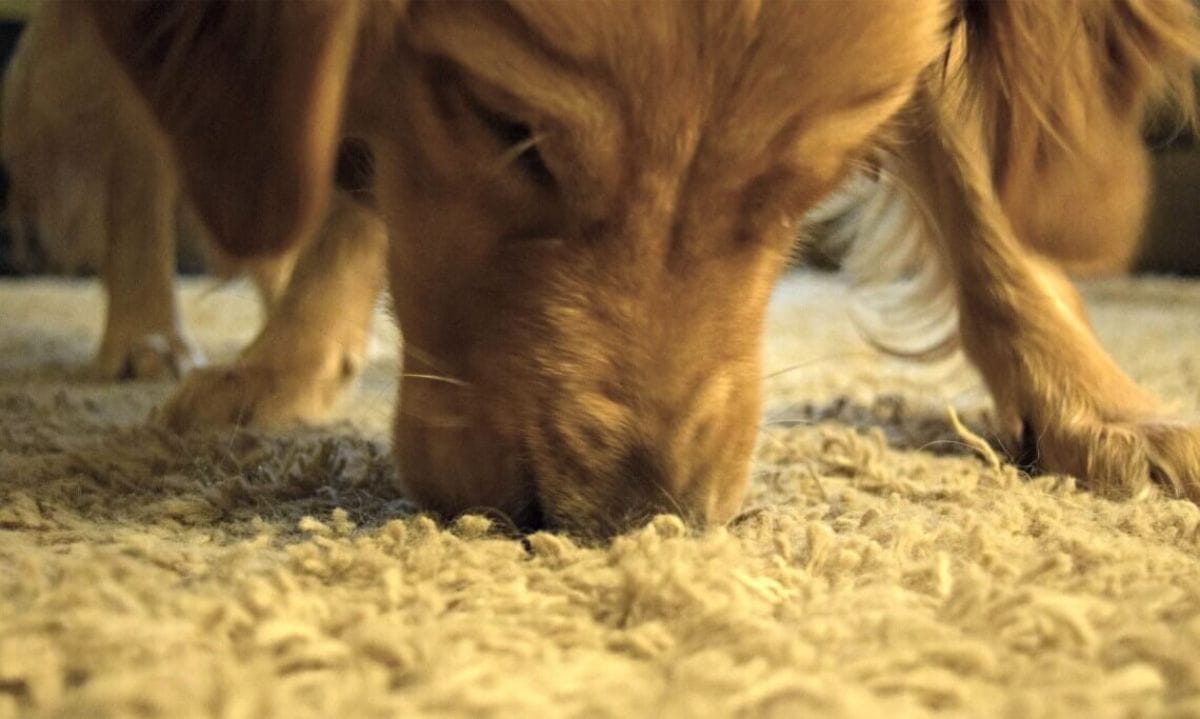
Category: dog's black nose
<point>642,467</point>
<point>532,518</point>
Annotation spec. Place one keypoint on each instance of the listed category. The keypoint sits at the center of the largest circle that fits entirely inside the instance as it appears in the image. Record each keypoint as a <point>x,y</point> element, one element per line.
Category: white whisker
<point>435,378</point>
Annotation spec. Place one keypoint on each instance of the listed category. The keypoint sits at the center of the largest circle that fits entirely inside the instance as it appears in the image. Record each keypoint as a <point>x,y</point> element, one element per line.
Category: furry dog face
<point>589,206</point>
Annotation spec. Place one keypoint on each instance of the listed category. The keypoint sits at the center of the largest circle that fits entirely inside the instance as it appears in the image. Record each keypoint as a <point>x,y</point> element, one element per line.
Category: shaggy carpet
<point>883,567</point>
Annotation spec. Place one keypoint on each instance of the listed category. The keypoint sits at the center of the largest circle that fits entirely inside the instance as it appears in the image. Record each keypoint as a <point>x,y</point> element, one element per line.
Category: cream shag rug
<point>884,568</point>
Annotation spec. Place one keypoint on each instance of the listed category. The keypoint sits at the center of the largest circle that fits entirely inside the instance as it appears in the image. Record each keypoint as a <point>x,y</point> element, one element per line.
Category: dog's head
<point>588,203</point>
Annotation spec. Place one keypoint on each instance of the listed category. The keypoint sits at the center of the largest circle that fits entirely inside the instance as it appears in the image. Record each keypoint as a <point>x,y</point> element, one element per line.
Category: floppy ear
<point>251,94</point>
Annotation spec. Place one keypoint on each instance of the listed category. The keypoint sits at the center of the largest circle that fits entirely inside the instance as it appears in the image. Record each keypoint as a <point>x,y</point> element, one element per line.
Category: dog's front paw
<point>1118,459</point>
<point>149,356</point>
<point>257,395</point>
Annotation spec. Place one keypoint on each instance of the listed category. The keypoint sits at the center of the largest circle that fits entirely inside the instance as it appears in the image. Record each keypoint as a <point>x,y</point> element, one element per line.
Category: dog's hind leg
<point>314,342</point>
<point>1055,389</point>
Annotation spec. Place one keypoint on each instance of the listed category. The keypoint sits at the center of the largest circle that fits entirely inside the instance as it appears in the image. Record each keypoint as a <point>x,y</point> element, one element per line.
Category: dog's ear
<point>251,95</point>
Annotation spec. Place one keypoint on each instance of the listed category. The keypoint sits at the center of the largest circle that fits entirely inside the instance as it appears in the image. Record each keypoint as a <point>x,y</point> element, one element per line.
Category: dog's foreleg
<point>314,342</point>
<point>1057,392</point>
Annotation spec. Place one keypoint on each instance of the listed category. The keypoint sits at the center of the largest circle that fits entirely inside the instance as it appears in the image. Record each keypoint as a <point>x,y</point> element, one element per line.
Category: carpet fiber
<point>883,567</point>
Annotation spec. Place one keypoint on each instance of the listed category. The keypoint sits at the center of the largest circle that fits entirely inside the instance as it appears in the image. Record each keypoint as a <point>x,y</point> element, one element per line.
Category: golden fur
<point>587,205</point>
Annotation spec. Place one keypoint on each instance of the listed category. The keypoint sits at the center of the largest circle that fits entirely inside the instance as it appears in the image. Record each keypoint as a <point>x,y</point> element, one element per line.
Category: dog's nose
<point>531,518</point>
<point>623,496</point>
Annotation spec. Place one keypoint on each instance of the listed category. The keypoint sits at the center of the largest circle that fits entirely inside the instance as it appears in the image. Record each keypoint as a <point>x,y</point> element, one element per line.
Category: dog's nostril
<point>354,170</point>
<point>642,466</point>
<point>640,462</point>
<point>532,518</point>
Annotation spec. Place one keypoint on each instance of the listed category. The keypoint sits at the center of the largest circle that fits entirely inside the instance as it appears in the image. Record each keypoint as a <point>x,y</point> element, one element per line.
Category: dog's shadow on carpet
<point>905,425</point>
<point>69,459</point>
<point>871,446</point>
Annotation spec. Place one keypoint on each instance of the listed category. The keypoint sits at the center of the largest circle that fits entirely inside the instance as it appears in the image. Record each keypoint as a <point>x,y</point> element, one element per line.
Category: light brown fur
<point>588,204</point>
<point>1065,87</point>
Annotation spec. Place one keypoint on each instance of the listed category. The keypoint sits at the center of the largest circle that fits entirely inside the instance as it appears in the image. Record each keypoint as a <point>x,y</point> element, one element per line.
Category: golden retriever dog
<point>586,206</point>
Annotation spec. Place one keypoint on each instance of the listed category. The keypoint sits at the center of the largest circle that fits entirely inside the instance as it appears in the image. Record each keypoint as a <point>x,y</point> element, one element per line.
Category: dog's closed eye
<point>519,141</point>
